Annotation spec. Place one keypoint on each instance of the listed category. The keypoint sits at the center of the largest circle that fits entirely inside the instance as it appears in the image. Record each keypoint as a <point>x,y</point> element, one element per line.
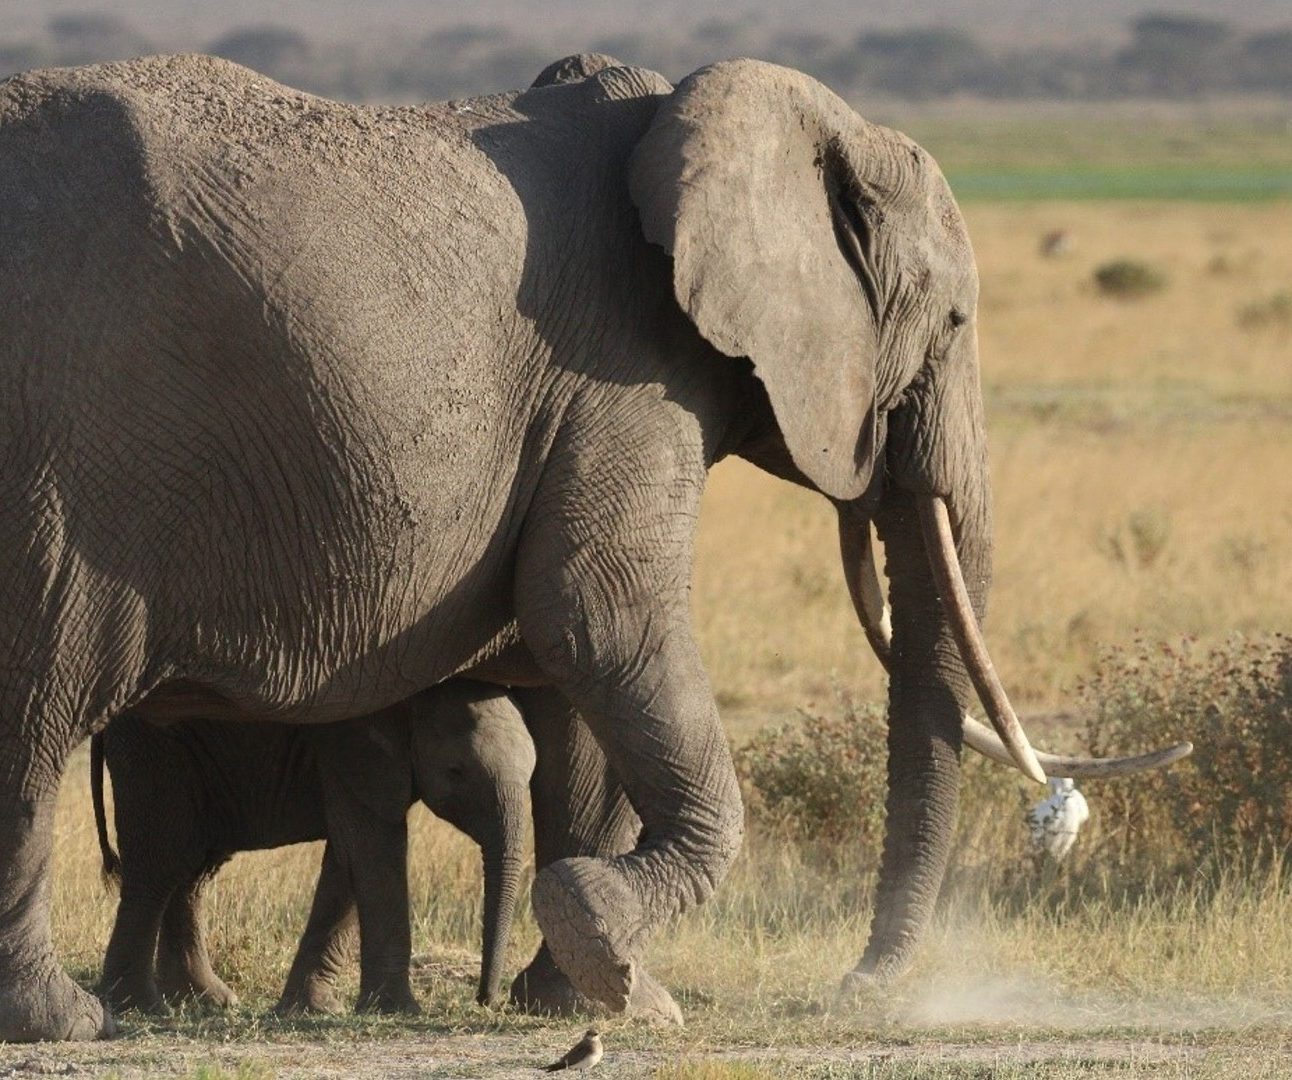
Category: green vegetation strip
<point>1101,406</point>
<point>1209,183</point>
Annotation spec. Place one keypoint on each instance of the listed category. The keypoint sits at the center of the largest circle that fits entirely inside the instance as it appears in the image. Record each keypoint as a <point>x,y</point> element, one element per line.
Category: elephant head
<point>472,762</point>
<point>830,252</point>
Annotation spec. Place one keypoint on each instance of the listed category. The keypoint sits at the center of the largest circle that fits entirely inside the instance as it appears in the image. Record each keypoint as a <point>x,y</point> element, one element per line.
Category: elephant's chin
<point>591,921</point>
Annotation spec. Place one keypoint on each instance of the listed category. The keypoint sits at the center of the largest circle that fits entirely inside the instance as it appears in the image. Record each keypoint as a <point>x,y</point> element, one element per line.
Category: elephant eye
<point>958,317</point>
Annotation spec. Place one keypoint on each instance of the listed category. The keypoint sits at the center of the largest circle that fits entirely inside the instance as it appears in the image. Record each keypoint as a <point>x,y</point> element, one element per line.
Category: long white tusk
<point>941,546</point>
<point>864,586</point>
<point>979,737</point>
<point>876,619</point>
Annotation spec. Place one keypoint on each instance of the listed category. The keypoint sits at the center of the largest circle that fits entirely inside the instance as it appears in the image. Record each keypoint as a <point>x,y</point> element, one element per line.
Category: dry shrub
<point>1139,541</point>
<point>822,779</point>
<point>1272,312</point>
<point>819,785</point>
<point>1230,804</point>
<point>1129,279</point>
<point>822,782</point>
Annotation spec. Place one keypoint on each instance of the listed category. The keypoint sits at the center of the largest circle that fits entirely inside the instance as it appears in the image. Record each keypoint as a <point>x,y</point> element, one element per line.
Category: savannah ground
<point>1142,460</point>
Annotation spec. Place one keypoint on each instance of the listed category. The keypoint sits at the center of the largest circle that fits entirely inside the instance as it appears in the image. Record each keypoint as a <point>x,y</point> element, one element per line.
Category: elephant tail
<point>111,861</point>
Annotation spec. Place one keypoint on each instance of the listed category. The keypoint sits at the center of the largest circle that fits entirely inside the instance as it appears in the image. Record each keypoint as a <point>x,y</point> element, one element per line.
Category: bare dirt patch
<point>496,1055</point>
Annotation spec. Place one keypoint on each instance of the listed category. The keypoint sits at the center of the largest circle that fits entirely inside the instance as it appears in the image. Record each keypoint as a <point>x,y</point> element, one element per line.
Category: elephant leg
<point>183,964</point>
<point>603,604</point>
<point>38,1000</point>
<point>373,852</point>
<point>580,809</point>
<point>311,983</point>
<point>129,965</point>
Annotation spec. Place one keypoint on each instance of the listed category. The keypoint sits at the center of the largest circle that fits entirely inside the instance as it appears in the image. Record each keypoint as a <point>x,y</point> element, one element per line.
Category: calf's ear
<point>371,758</point>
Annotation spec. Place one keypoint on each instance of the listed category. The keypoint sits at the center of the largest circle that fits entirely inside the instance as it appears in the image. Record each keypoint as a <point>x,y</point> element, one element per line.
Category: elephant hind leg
<point>38,1000</point>
<point>71,657</point>
<point>311,984</point>
<point>184,969</point>
<point>129,966</point>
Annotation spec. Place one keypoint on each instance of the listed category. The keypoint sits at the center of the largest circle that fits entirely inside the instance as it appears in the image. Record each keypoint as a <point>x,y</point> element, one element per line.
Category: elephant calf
<point>189,795</point>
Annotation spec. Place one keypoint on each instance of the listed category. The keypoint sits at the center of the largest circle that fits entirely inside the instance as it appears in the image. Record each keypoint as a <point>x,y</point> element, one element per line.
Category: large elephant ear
<point>742,178</point>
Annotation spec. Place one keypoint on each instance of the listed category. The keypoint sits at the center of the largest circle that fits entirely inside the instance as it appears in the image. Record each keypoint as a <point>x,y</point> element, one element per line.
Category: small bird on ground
<point>582,1055</point>
<point>1055,820</point>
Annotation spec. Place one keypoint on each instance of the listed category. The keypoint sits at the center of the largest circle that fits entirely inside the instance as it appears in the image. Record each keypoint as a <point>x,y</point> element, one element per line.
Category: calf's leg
<point>183,964</point>
<point>311,983</point>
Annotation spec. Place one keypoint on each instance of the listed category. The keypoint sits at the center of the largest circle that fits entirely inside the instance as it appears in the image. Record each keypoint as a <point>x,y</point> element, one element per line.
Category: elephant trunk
<point>930,686</point>
<point>503,854</point>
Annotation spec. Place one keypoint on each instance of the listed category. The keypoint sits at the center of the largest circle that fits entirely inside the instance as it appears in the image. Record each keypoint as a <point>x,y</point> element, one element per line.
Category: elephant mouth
<point>1008,744</point>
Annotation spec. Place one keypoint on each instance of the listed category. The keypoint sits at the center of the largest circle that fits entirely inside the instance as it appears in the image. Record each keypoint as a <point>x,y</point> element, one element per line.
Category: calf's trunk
<point>503,854</point>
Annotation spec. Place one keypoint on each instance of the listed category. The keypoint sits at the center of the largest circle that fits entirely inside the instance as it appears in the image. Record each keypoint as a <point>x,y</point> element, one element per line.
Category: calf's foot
<point>126,993</point>
<point>311,997</point>
<point>208,989</point>
<point>395,999</point>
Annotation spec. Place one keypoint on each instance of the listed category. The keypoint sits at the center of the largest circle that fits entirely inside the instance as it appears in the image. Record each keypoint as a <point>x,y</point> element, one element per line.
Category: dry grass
<point>1161,416</point>
<point>1140,455</point>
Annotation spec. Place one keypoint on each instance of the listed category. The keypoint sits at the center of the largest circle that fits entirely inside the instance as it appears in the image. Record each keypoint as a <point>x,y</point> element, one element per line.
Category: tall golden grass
<point>1162,419</point>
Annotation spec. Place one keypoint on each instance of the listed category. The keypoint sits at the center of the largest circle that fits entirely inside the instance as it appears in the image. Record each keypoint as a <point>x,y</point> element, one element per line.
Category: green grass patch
<point>1204,183</point>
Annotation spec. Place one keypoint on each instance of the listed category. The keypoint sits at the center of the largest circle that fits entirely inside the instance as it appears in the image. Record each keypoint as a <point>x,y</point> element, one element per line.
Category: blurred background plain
<point>877,50</point>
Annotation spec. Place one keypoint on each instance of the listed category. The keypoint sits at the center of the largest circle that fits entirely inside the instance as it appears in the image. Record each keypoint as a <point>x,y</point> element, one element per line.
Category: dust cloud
<point>1035,1000</point>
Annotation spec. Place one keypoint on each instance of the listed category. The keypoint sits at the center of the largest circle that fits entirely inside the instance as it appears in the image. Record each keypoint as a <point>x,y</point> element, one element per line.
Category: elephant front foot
<point>542,989</point>
<point>593,924</point>
<point>50,1007</point>
<point>649,1001</point>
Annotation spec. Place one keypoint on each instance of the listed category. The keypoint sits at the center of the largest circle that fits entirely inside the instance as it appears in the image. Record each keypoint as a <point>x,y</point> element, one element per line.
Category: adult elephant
<point>309,406</point>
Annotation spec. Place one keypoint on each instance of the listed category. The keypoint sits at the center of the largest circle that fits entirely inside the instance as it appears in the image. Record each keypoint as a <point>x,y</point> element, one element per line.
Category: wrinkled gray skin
<point>190,795</point>
<point>308,406</point>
